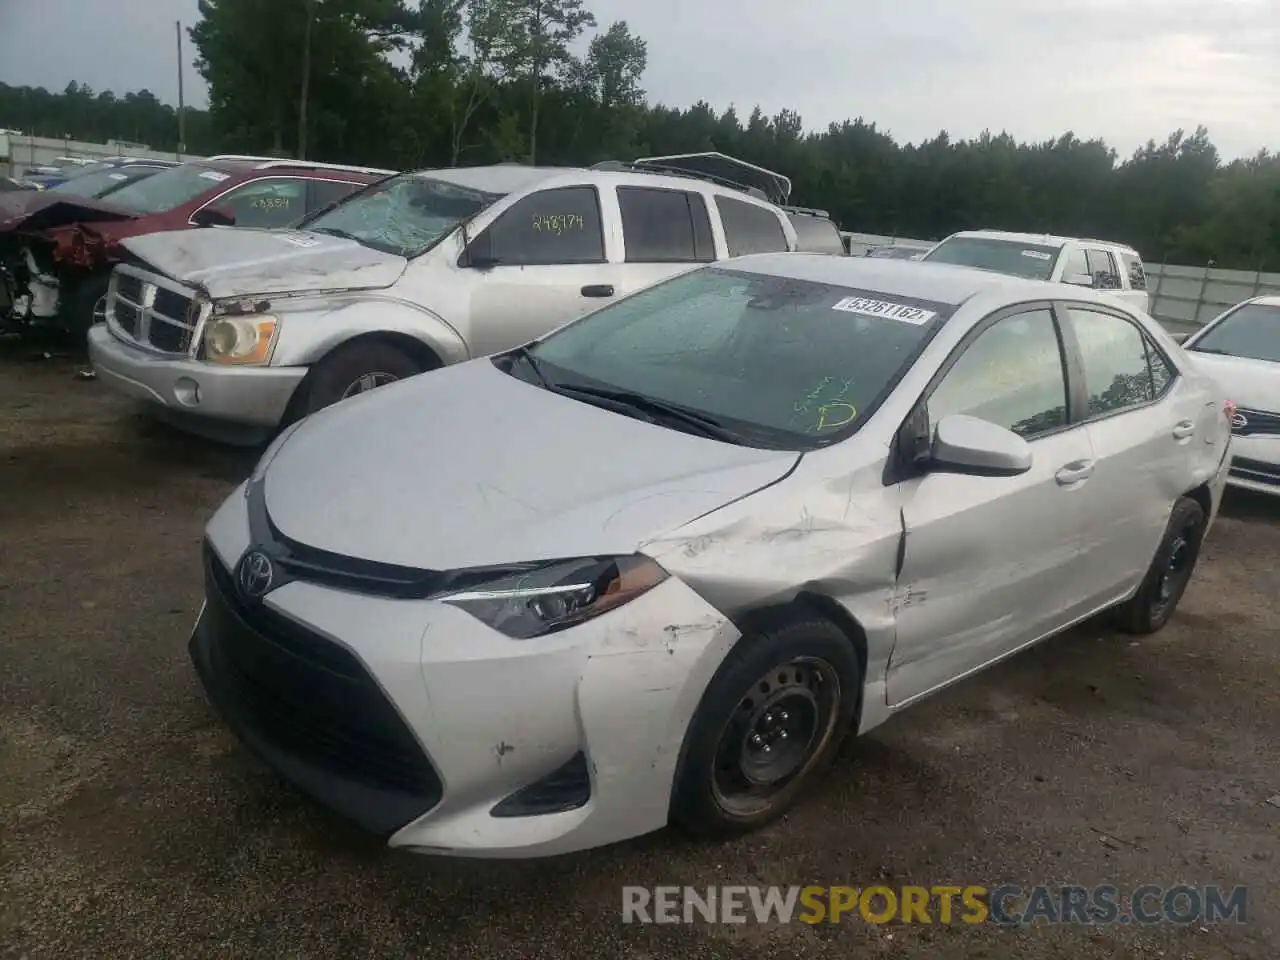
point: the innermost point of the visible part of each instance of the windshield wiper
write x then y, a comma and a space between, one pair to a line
336, 232
534, 364
656, 410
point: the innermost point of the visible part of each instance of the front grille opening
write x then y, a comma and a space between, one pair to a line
568, 787
1259, 471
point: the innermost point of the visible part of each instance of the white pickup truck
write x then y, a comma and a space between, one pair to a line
1099, 264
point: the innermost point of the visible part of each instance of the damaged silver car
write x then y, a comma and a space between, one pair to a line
654, 565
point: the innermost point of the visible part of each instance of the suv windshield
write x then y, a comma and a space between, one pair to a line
405, 215
168, 188
1030, 260
99, 182
1251, 331
770, 361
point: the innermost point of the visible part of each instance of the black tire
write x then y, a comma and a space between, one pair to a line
1170, 572
339, 374
721, 789
86, 306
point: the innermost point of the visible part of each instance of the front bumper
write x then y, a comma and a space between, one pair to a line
1255, 464
252, 396
415, 719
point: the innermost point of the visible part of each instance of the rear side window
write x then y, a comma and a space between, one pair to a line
1102, 267
665, 226
816, 235
1134, 268
749, 228
1117, 371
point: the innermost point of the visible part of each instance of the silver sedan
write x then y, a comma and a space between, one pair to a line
655, 565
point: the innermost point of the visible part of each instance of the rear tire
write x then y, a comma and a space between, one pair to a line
354, 369
773, 716
1162, 588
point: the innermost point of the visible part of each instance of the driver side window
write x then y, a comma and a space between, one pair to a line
1011, 375
276, 202
556, 226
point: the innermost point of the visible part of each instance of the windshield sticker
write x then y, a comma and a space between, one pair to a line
880, 308
215, 176
558, 223
299, 239
1036, 255
116, 176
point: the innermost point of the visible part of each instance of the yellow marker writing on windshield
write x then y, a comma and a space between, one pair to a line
839, 414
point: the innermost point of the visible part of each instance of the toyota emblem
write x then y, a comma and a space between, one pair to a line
1239, 421
256, 574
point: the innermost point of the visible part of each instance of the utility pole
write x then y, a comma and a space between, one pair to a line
306, 81
182, 120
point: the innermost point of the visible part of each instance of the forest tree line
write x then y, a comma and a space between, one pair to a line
422, 83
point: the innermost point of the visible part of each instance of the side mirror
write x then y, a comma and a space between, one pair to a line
214, 217
478, 254
1078, 279
964, 444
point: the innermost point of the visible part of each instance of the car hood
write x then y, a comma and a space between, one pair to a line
1253, 384
467, 466
35, 210
244, 261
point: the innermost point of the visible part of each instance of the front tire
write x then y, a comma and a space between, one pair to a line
1170, 572
773, 715
357, 368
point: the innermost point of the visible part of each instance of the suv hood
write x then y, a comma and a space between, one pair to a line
467, 466
246, 261
35, 210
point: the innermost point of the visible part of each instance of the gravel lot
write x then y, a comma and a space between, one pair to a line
132, 825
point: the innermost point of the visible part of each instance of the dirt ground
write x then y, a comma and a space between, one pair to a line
133, 825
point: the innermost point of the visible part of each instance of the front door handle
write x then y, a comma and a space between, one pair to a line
1184, 429
598, 290
1074, 472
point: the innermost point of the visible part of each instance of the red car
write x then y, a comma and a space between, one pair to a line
57, 251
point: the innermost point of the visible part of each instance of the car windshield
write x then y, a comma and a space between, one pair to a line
771, 361
1251, 331
168, 188
1031, 260
404, 215
98, 183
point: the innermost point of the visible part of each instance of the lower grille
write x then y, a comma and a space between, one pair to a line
309, 698
1259, 471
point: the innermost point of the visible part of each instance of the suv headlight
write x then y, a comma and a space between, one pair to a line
559, 595
240, 340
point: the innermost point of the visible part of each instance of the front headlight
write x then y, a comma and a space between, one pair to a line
559, 595
240, 340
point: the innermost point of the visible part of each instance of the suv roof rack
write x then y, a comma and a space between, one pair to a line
712, 167
808, 211
267, 163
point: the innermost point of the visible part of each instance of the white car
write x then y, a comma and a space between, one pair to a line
1104, 265
1241, 349
657, 563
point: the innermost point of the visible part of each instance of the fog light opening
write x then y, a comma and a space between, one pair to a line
566, 788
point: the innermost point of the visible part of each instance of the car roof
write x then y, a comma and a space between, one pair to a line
1267, 301
1042, 239
940, 283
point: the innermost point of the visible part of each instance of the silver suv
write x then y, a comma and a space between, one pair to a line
234, 332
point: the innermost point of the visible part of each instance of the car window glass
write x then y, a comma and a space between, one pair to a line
265, 203
549, 227
325, 192
816, 234
749, 228
170, 188
1251, 330
1162, 371
1137, 273
1076, 265
1102, 267
1031, 260
1011, 375
665, 226
1113, 352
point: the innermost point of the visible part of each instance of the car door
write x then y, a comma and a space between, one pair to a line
546, 262
992, 563
1144, 424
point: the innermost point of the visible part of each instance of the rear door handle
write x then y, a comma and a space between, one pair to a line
1074, 472
598, 290
1183, 429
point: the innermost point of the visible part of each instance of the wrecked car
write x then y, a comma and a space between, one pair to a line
654, 565
234, 334
61, 248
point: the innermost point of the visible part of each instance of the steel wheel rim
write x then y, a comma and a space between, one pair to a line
1176, 572
368, 381
778, 727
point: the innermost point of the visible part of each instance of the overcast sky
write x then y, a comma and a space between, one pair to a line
1125, 70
